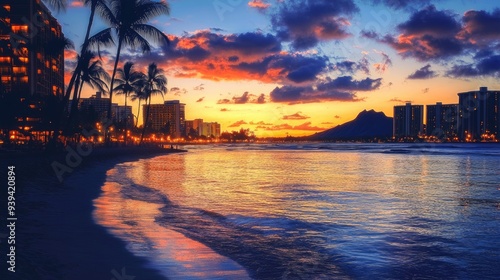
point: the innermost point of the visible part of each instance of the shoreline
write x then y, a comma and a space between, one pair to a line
56, 235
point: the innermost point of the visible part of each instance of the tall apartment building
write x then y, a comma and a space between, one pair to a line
122, 114
96, 104
442, 120
479, 114
408, 120
210, 129
176, 118
158, 116
31, 61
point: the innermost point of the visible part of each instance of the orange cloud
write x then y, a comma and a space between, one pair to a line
259, 4
77, 4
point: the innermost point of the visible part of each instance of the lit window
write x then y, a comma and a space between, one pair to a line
4, 59
6, 79
20, 28
7, 7
39, 71
20, 70
39, 56
24, 59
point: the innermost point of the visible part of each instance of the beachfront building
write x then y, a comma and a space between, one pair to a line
479, 115
31, 66
210, 129
157, 116
122, 114
442, 121
176, 118
96, 106
408, 121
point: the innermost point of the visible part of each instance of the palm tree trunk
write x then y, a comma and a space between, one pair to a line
120, 41
59, 121
74, 104
146, 121
138, 112
126, 119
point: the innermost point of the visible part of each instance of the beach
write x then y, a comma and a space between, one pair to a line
56, 236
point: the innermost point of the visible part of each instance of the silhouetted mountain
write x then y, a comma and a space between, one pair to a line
367, 125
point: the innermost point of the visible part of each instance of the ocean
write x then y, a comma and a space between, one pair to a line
311, 211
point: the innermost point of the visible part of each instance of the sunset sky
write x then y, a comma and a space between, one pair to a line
301, 66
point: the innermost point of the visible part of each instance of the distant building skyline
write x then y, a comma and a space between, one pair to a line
479, 114
442, 120
408, 120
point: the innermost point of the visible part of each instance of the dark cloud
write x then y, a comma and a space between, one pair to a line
481, 27
426, 90
199, 87
305, 22
489, 66
384, 64
430, 21
238, 123
338, 89
429, 34
245, 98
201, 99
351, 67
296, 95
233, 58
224, 110
294, 67
423, 73
403, 4
177, 91
337, 117
296, 116
347, 83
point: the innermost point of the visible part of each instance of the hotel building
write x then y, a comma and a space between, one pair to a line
442, 120
31, 61
176, 116
479, 114
157, 116
408, 120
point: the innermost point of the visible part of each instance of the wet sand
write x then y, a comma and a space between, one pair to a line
56, 236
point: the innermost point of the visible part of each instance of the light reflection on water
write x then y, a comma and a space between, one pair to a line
309, 213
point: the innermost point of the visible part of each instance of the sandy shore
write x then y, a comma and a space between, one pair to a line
56, 236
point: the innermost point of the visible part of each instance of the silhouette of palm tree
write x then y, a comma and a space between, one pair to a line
91, 73
129, 82
156, 83
129, 23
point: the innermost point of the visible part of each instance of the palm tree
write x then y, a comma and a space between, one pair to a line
138, 95
129, 22
92, 73
129, 81
101, 7
156, 83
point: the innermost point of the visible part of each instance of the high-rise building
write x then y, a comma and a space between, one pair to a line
175, 118
96, 104
31, 62
408, 120
479, 114
210, 129
122, 114
158, 117
442, 120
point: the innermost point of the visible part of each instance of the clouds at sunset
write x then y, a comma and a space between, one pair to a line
306, 23
423, 73
245, 98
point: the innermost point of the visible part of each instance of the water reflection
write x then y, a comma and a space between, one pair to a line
132, 218
308, 213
